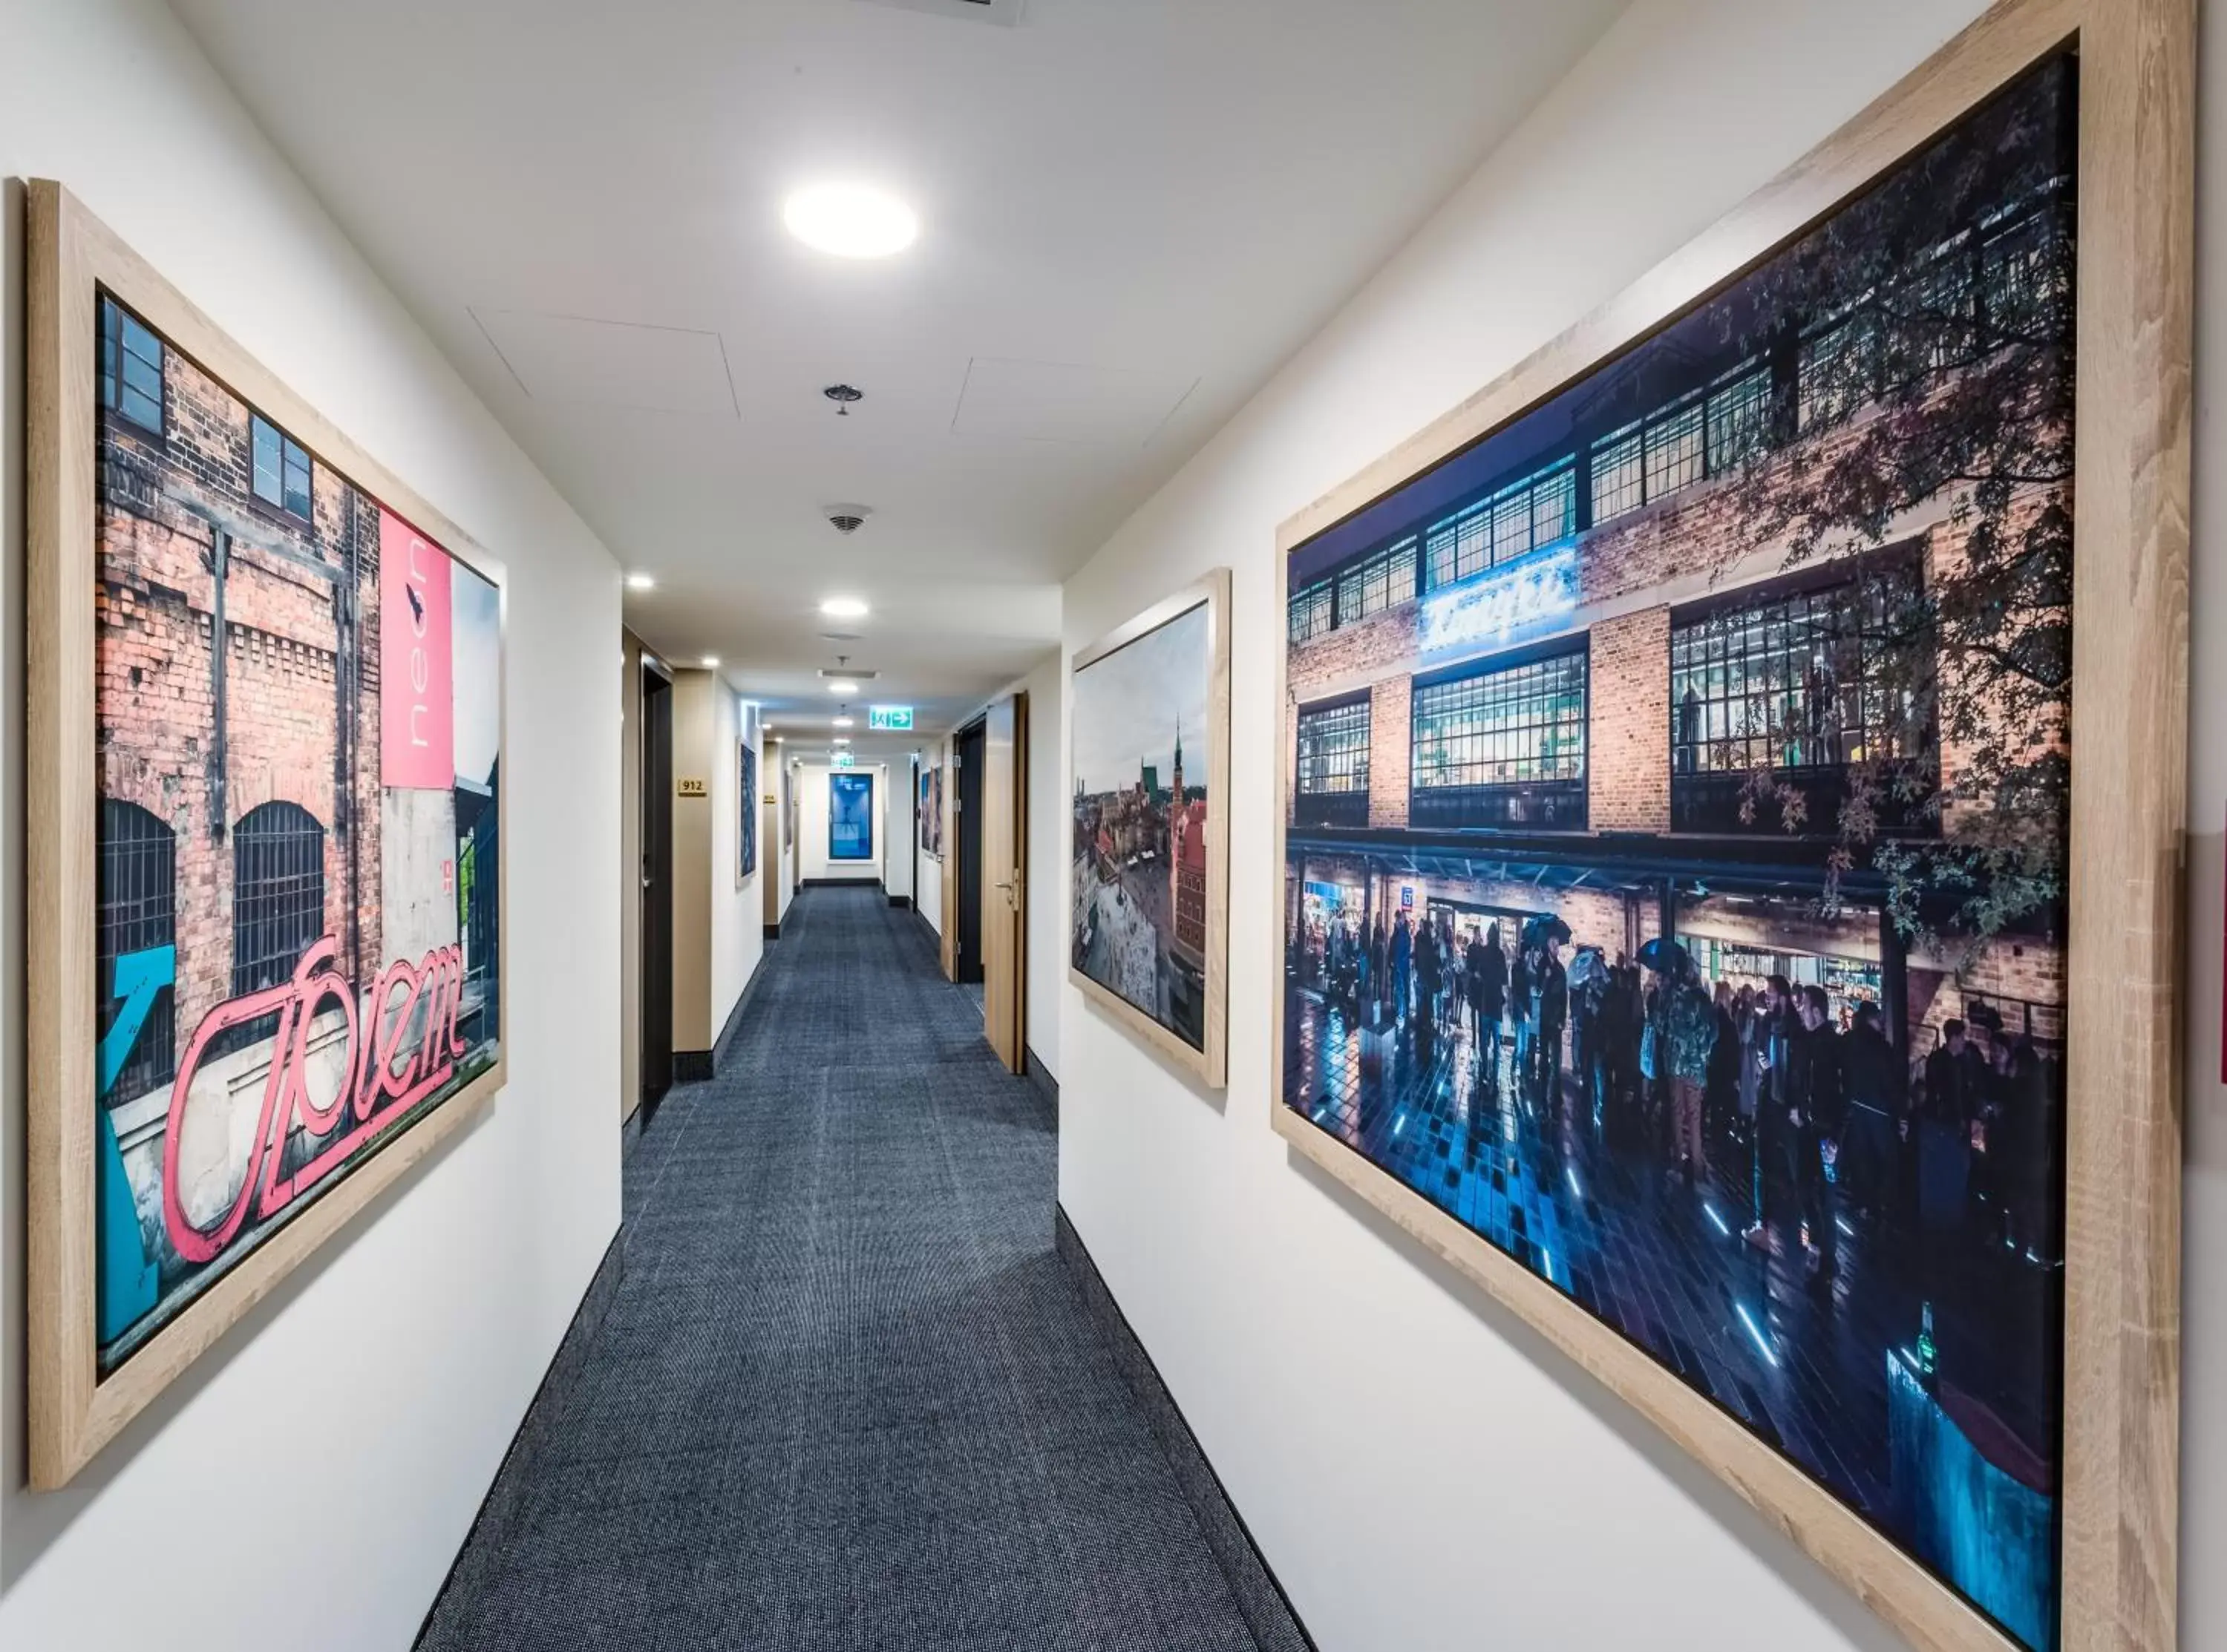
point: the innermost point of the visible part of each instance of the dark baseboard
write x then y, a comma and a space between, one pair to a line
724, 1045
773, 931
540, 1422
1260, 1599
900, 900
694, 1066
1040, 1076
840, 882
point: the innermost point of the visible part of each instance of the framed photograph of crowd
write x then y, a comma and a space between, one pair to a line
1731, 771
265, 699
746, 811
931, 810
1149, 741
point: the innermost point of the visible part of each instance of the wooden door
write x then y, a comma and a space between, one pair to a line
1005, 880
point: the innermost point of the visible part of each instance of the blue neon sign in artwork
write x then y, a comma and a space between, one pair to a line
1521, 599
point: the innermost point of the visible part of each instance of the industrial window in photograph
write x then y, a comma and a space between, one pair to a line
1332, 775
281, 468
278, 893
1503, 748
135, 929
1814, 683
1529, 513
1385, 580
1313, 610
1707, 432
130, 368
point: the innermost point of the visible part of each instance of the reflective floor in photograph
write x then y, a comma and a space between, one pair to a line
1597, 1207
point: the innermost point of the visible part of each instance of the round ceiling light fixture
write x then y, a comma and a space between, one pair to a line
640, 582
842, 685
845, 722
852, 221
710, 662
844, 608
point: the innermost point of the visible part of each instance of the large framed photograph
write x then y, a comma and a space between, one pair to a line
930, 824
746, 814
849, 816
1149, 741
1730, 773
265, 871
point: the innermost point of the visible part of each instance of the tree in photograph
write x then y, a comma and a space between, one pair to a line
1929, 333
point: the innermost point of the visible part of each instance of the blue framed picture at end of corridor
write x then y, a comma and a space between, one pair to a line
850, 817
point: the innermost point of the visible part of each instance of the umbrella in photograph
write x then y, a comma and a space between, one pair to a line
1545, 926
1588, 967
1663, 956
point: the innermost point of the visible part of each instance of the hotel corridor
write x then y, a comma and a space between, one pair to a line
844, 1394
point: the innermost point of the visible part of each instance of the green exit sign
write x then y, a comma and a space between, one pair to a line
889, 717
842, 760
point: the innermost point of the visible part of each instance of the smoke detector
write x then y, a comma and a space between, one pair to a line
1007, 12
847, 518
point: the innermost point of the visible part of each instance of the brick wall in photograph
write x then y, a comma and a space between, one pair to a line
291, 586
1628, 758
1390, 737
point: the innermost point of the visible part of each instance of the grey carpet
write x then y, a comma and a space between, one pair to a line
845, 1395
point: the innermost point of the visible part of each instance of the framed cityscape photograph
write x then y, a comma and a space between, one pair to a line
1730, 775
265, 699
1148, 935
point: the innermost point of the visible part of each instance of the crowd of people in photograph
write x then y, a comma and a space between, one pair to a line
1771, 1090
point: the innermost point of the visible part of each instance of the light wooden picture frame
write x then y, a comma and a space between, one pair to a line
1133, 823
2117, 1038
166, 785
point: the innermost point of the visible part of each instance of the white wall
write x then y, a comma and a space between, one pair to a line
1421, 1470
379, 1388
737, 903
812, 822
1050, 831
896, 846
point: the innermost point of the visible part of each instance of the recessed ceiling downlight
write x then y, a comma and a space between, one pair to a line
844, 608
852, 221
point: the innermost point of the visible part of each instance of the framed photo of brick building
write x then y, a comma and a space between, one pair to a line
1148, 742
1730, 775
264, 848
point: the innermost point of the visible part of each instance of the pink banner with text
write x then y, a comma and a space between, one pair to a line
417, 698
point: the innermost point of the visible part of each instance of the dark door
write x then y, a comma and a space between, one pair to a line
968, 751
656, 882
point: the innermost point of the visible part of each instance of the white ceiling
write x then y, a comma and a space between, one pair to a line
1131, 210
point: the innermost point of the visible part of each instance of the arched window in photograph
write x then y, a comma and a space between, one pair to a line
278, 893
137, 914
